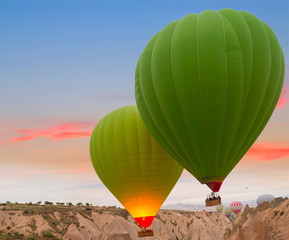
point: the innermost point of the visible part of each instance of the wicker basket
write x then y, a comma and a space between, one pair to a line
145, 233
214, 202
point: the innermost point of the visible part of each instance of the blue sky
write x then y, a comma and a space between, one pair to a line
65, 64
59, 56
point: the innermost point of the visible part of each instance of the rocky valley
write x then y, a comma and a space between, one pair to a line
35, 221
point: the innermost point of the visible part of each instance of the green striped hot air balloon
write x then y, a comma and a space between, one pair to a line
220, 207
227, 211
132, 164
206, 86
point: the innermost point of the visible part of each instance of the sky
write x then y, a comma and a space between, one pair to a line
66, 64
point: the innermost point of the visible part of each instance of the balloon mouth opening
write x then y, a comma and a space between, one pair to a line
214, 186
144, 221
237, 212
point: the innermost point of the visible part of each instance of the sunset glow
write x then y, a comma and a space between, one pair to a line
283, 100
268, 151
60, 132
66, 64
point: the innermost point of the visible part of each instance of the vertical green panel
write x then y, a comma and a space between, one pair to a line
239, 55
213, 81
186, 86
163, 85
259, 81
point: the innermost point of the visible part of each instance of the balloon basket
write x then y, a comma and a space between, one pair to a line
145, 233
213, 200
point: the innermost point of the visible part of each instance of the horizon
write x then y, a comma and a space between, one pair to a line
194, 207
65, 65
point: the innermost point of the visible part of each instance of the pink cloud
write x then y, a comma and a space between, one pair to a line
57, 132
283, 99
75, 134
21, 139
61, 127
268, 151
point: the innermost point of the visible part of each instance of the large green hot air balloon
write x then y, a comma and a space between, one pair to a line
132, 164
206, 86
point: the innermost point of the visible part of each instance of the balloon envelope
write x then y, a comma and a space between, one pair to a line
264, 198
220, 207
227, 211
232, 217
206, 86
236, 207
132, 164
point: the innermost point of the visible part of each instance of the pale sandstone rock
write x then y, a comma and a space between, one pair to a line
129, 227
41, 224
102, 219
160, 230
73, 233
22, 224
57, 215
258, 223
89, 226
267, 221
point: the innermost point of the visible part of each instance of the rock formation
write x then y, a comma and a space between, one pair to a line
21, 221
269, 220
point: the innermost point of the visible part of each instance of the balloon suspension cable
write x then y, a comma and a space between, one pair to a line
144, 232
213, 199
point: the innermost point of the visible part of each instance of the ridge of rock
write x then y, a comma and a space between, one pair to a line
21, 221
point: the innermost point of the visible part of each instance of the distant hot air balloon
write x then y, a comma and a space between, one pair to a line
236, 207
206, 86
220, 207
132, 164
264, 198
227, 211
232, 217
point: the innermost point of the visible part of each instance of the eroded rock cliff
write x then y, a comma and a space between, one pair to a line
20, 221
91, 223
268, 221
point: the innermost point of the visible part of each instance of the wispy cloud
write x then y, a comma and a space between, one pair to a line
58, 171
75, 134
268, 151
283, 100
25, 138
90, 186
57, 132
17, 174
